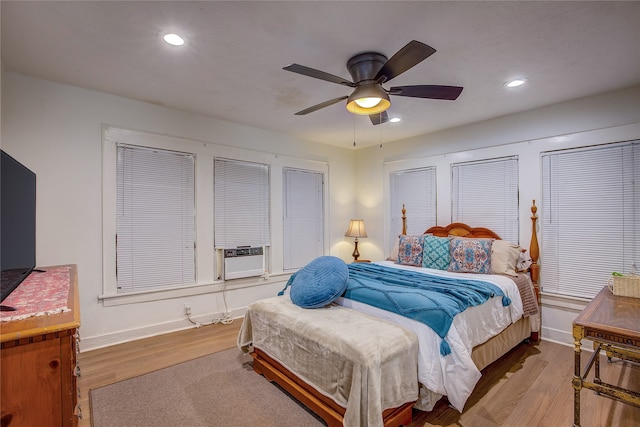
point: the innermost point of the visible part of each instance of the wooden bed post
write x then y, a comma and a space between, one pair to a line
404, 220
534, 269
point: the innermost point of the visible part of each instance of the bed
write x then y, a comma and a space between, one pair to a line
287, 343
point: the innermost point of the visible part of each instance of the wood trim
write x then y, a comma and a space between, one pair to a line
326, 408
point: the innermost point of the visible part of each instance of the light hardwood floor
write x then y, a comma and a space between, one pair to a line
531, 386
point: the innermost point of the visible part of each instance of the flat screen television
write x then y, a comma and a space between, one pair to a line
17, 223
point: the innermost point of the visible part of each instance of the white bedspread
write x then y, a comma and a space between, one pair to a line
454, 375
364, 364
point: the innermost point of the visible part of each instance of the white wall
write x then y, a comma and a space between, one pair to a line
609, 117
56, 131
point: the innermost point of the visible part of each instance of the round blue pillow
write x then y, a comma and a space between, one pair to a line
320, 282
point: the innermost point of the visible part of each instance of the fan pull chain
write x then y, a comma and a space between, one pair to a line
354, 130
380, 130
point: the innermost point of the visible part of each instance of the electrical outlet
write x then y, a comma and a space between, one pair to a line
187, 309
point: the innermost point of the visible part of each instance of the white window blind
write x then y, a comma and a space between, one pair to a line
590, 217
416, 189
303, 217
485, 193
155, 218
241, 197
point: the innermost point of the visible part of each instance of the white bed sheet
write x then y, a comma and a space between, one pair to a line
454, 375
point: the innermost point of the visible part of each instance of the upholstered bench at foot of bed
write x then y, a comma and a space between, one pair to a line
324, 407
350, 368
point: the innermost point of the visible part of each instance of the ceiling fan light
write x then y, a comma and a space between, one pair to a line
368, 102
367, 99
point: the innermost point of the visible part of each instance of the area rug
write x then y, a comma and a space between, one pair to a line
220, 389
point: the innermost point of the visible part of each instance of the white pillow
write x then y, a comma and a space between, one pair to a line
393, 256
504, 257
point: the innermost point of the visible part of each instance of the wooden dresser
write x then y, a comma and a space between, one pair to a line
612, 323
38, 364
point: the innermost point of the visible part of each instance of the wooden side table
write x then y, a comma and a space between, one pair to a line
613, 324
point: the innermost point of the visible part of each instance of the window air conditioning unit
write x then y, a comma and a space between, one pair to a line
243, 262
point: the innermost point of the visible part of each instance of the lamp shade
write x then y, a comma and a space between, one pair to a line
368, 98
356, 229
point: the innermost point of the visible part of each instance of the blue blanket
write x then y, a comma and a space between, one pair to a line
427, 298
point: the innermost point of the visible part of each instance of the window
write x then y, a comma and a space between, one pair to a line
303, 214
486, 192
590, 217
241, 200
225, 201
155, 242
416, 189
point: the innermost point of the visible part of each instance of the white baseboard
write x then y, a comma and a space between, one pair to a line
120, 337
557, 336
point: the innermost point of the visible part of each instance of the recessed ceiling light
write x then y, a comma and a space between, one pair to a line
173, 39
394, 119
515, 82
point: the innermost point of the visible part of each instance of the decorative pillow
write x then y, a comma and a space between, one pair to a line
470, 255
436, 252
524, 262
504, 257
393, 256
410, 250
319, 283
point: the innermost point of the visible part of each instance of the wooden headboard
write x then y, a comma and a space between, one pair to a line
461, 230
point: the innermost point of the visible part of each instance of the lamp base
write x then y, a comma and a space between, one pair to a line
355, 253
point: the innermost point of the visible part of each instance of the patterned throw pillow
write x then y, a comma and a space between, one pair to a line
410, 250
436, 253
470, 255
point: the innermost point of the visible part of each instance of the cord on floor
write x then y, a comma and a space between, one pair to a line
225, 320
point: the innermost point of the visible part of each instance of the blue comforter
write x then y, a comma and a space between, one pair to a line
427, 298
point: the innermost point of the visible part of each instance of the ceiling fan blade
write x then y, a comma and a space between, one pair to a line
319, 106
409, 56
427, 91
312, 72
379, 118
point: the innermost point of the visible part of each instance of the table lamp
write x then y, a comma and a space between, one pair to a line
356, 229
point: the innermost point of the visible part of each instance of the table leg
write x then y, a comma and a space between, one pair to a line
577, 378
596, 378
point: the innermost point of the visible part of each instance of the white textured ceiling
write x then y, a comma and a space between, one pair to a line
231, 65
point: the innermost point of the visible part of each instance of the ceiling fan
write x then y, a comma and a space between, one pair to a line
369, 71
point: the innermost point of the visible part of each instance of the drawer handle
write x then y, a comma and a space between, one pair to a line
78, 411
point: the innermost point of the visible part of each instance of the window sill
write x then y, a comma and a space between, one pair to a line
576, 304
110, 300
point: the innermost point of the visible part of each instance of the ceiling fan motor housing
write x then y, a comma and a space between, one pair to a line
365, 66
